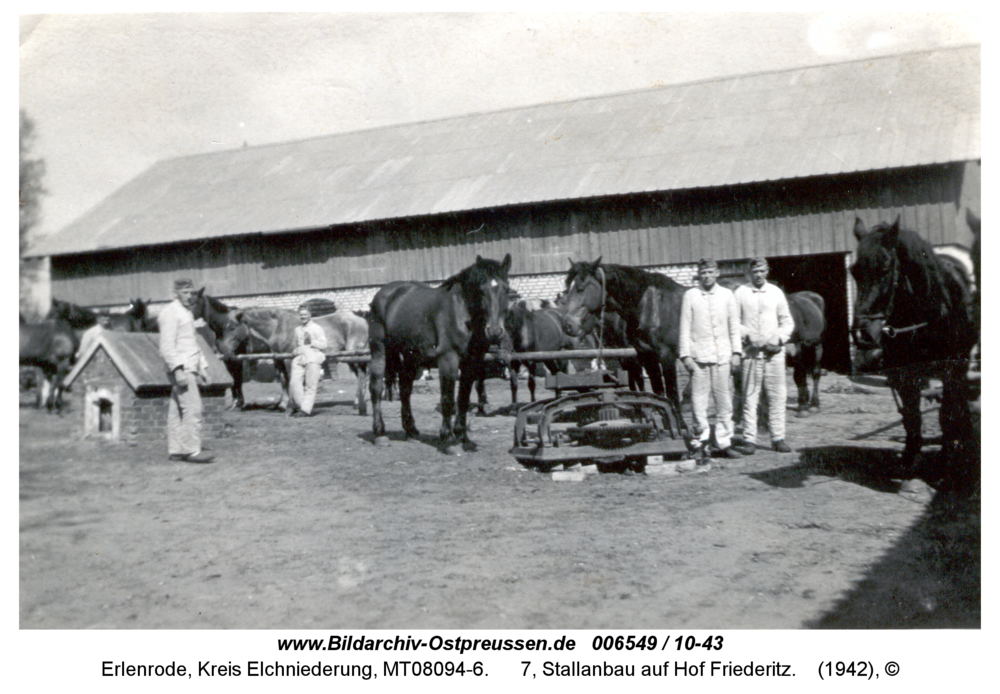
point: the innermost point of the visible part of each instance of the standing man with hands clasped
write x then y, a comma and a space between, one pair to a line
710, 347
307, 365
187, 368
767, 325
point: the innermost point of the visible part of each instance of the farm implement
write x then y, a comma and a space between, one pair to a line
601, 422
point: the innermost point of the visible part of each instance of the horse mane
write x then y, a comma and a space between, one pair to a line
216, 304
623, 280
919, 263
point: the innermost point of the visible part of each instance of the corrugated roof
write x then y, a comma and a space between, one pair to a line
905, 110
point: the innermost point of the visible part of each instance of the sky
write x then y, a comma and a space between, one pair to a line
112, 94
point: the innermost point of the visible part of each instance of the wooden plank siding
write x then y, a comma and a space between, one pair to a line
782, 218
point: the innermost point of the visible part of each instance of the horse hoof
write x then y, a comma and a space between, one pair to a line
381, 441
454, 449
802, 413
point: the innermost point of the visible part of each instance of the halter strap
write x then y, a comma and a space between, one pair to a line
888, 330
892, 332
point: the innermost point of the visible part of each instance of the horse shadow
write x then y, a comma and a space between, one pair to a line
930, 578
878, 469
272, 406
431, 440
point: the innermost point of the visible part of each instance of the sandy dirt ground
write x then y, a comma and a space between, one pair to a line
303, 523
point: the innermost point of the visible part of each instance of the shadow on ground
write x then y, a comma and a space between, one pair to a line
931, 578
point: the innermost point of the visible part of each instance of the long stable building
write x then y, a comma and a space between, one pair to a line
776, 164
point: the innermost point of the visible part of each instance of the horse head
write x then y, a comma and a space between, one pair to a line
137, 309
874, 272
584, 297
486, 291
147, 321
234, 336
496, 296
215, 313
77, 317
902, 292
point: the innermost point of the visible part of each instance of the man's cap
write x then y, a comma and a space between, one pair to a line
183, 284
706, 263
757, 262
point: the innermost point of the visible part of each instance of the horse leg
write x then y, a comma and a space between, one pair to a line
657, 374
669, 369
44, 389
481, 395
405, 377
957, 437
65, 366
636, 381
447, 372
512, 373
461, 432
908, 387
817, 372
376, 383
800, 373
235, 369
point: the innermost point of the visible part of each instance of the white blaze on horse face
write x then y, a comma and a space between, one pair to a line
496, 296
580, 317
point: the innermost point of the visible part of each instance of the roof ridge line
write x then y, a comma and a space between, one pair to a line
639, 90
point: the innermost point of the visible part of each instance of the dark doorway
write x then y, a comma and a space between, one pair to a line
825, 274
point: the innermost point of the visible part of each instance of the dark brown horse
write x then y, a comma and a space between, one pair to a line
805, 348
216, 316
649, 305
86, 324
914, 319
264, 330
412, 326
535, 330
51, 347
135, 320
77, 317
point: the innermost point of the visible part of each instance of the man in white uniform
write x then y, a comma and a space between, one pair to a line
186, 368
766, 325
710, 348
307, 365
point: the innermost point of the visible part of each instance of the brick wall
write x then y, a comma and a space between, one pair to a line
528, 286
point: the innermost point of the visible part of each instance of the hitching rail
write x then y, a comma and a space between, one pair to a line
364, 356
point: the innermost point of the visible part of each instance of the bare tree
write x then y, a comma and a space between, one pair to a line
31, 189
29, 203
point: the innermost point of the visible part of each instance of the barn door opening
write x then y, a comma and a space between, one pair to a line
825, 274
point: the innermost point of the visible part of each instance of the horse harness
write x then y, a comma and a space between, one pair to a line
887, 330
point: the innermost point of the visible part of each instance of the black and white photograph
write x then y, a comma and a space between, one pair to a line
520, 324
